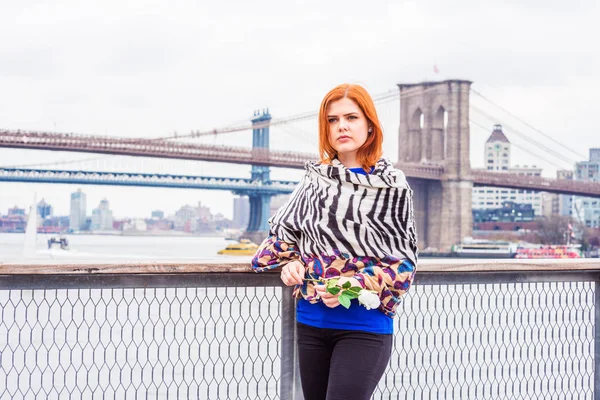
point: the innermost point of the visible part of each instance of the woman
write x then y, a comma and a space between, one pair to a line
351, 217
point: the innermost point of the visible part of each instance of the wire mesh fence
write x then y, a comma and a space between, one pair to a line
231, 336
494, 341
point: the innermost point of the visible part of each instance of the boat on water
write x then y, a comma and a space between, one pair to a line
62, 242
474, 248
550, 251
244, 248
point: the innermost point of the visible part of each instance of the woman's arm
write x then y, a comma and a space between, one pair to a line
274, 252
390, 278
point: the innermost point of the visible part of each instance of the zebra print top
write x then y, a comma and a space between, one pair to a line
340, 223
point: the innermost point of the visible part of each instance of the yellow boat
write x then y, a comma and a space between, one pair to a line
244, 248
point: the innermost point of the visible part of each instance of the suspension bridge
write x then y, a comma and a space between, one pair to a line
435, 122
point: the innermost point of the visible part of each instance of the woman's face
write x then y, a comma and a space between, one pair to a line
348, 127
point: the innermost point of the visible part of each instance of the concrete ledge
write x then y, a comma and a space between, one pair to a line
56, 267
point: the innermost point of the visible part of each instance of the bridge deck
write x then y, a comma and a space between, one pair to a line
161, 148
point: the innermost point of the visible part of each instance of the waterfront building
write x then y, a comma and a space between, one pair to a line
497, 159
585, 209
77, 215
102, 218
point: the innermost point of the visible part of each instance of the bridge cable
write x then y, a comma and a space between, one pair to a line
525, 137
517, 146
386, 97
527, 124
381, 98
56, 162
297, 132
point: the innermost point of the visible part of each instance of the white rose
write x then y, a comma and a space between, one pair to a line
368, 299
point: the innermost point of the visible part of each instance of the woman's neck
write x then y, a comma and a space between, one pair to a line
349, 160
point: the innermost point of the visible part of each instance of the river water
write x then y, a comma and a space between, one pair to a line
109, 248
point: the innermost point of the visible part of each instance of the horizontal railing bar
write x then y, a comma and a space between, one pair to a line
97, 281
454, 278
450, 265
237, 279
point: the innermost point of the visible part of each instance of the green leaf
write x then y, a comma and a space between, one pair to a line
344, 300
347, 285
356, 289
350, 294
332, 282
334, 290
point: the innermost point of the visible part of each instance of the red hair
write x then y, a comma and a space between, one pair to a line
372, 150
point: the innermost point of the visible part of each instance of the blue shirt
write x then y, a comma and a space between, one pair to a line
355, 318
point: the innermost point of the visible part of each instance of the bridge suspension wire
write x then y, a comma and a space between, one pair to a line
527, 124
298, 133
380, 98
50, 163
548, 150
517, 146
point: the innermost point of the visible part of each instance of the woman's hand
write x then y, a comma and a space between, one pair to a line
331, 300
292, 273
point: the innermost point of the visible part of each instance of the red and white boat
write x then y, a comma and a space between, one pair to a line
549, 251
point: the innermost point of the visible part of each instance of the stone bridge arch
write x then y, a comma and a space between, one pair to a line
442, 208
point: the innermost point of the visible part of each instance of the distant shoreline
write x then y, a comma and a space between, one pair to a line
131, 234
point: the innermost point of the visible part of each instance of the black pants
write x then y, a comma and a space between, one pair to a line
341, 364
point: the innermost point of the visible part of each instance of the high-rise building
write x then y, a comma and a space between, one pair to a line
527, 196
586, 209
550, 204
241, 212
44, 209
102, 218
564, 201
78, 211
186, 218
497, 151
497, 159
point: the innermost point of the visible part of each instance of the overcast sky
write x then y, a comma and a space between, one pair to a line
151, 68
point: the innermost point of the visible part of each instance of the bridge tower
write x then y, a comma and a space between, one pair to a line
259, 203
434, 128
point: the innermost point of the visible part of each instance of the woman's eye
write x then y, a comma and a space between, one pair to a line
352, 117
332, 120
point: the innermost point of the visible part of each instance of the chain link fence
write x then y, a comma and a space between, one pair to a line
231, 336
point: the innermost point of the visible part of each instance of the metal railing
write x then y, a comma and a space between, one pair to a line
464, 331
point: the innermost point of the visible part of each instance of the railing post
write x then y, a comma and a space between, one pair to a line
597, 340
289, 387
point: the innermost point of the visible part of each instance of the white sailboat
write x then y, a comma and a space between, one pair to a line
31, 231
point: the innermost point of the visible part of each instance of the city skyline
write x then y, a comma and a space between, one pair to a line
191, 219
104, 202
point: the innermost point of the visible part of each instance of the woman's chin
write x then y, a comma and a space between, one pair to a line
345, 150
